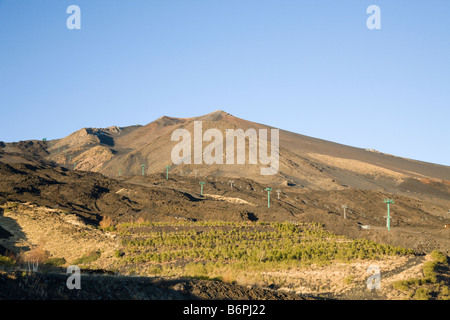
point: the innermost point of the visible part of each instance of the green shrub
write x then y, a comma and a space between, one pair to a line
195, 269
444, 293
6, 262
348, 280
422, 294
88, 258
119, 253
429, 268
256, 247
439, 257
155, 270
407, 285
109, 229
55, 262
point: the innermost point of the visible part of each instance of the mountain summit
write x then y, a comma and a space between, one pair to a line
304, 162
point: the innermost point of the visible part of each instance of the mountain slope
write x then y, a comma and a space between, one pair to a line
305, 162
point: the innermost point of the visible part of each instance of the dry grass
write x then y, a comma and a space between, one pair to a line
63, 235
37, 254
230, 199
106, 222
93, 159
141, 220
357, 166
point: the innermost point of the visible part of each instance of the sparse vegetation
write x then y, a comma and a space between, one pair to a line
36, 255
7, 262
429, 273
196, 269
276, 242
107, 224
444, 292
422, 294
55, 262
228, 251
87, 258
428, 287
439, 257
118, 253
348, 280
155, 271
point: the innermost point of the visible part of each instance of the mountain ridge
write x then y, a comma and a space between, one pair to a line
305, 162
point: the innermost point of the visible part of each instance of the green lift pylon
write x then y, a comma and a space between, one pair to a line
268, 196
167, 172
201, 184
388, 222
120, 173
143, 169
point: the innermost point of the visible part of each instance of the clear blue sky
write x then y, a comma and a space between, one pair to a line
311, 67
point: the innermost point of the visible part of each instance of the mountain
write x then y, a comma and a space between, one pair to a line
304, 162
314, 180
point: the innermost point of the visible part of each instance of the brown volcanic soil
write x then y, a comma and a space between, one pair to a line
86, 193
310, 163
416, 224
92, 196
39, 286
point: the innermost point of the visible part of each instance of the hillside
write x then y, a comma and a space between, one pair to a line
305, 162
308, 162
89, 188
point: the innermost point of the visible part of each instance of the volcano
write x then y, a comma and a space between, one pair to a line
304, 162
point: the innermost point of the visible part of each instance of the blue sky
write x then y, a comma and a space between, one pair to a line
311, 67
